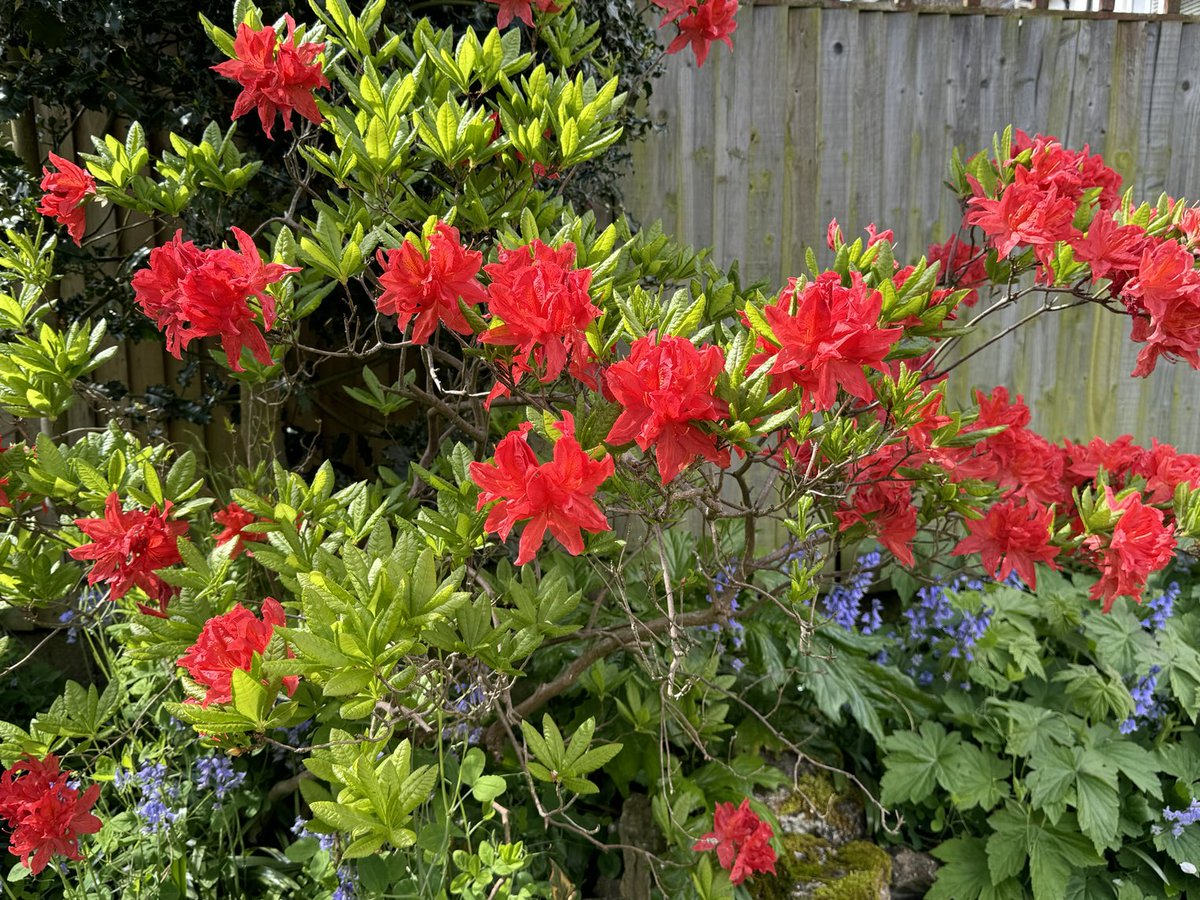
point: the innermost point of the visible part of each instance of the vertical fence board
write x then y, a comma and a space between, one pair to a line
801, 178
852, 113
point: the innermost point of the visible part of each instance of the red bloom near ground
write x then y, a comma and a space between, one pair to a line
666, 388
66, 191
700, 24
229, 642
1011, 537
540, 307
129, 547
45, 813
1140, 544
521, 9
558, 495
828, 339
426, 290
277, 76
192, 293
234, 518
742, 841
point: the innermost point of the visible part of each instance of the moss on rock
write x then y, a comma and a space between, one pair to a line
810, 866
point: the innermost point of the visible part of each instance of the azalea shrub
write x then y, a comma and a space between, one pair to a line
609, 583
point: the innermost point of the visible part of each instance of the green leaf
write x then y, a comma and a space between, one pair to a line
249, 696
916, 763
976, 777
487, 788
964, 872
1008, 847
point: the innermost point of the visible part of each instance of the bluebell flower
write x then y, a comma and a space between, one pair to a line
843, 603
300, 830
345, 888
155, 809
1145, 707
215, 772
1181, 818
1161, 607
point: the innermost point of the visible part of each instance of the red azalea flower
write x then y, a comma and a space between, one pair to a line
1139, 545
1011, 537
674, 9
1112, 251
234, 518
832, 334
708, 21
1189, 226
66, 191
1164, 469
45, 813
426, 290
521, 9
192, 293
666, 387
540, 306
1118, 458
229, 642
129, 547
275, 75
1025, 214
742, 841
559, 495
882, 499
1164, 298
1016, 459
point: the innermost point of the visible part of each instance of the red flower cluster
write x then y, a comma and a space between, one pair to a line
229, 642
1026, 214
701, 23
1038, 479
832, 333
521, 9
1140, 544
129, 547
742, 841
66, 191
1164, 298
540, 306
883, 500
276, 75
1011, 537
666, 388
45, 813
234, 519
192, 293
426, 290
1016, 459
1155, 276
558, 495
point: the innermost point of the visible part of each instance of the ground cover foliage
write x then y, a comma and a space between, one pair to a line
661, 529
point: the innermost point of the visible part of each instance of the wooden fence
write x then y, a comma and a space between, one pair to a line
851, 111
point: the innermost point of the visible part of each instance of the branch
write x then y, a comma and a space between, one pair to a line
551, 689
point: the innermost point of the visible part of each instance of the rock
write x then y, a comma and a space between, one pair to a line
814, 806
824, 856
912, 873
